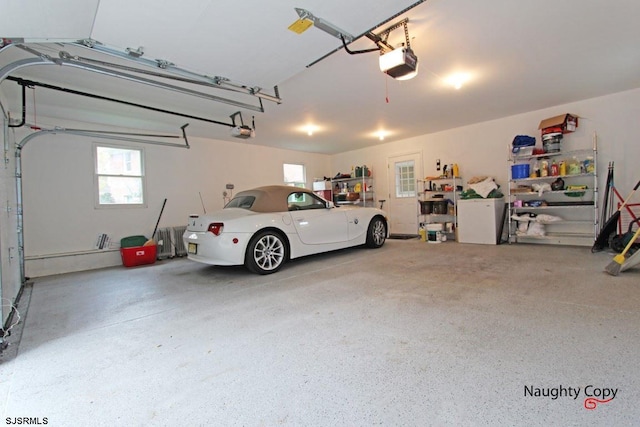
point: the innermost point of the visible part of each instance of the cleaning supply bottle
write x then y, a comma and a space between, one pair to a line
544, 168
535, 173
563, 167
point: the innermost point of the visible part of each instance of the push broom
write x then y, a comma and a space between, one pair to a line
614, 266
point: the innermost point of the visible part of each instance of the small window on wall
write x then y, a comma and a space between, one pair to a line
295, 175
119, 176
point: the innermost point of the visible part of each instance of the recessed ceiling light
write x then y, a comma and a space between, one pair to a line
310, 129
381, 134
457, 80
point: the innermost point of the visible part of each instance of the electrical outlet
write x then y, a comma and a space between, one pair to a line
438, 164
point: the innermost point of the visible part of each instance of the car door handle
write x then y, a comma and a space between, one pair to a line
302, 222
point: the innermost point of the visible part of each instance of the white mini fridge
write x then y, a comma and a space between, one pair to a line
480, 220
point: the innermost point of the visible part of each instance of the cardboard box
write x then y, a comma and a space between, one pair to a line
568, 122
321, 185
138, 255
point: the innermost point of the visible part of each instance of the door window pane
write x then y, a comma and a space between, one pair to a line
405, 179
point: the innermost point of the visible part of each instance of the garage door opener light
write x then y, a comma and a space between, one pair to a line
241, 131
400, 63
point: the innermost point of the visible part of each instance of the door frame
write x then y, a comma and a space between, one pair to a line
418, 171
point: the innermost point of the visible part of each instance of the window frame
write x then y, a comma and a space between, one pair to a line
96, 178
301, 184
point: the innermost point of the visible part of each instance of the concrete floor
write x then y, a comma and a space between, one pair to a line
411, 334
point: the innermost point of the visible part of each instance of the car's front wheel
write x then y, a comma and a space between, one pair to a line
266, 253
377, 233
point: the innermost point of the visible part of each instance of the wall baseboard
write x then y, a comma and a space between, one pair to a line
50, 264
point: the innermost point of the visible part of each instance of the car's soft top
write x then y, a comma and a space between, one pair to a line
271, 198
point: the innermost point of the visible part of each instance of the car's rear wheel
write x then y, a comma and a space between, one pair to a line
266, 253
376, 233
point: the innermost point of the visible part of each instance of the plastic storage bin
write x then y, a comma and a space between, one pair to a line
520, 171
138, 255
132, 241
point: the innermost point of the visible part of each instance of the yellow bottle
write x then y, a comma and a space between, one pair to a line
456, 171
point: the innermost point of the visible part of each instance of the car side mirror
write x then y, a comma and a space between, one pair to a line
330, 205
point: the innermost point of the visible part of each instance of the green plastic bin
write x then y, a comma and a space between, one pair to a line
132, 241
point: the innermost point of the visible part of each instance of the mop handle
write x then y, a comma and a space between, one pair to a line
624, 202
160, 216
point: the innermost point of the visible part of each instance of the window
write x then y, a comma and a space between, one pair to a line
303, 201
405, 179
119, 176
294, 175
244, 202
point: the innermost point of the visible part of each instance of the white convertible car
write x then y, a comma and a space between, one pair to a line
264, 227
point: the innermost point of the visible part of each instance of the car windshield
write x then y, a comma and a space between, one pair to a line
244, 202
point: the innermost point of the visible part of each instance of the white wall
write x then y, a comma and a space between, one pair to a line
482, 149
58, 188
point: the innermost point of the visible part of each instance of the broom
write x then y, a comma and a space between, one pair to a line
614, 266
151, 241
607, 195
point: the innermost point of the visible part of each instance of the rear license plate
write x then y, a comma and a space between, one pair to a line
193, 248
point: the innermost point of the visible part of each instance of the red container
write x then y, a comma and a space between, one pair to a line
138, 255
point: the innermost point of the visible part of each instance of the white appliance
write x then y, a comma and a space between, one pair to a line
479, 220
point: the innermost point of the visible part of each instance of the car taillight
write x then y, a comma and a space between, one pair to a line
215, 228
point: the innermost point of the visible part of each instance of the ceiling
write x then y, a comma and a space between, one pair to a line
518, 57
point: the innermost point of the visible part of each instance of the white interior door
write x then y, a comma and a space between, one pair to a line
403, 173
